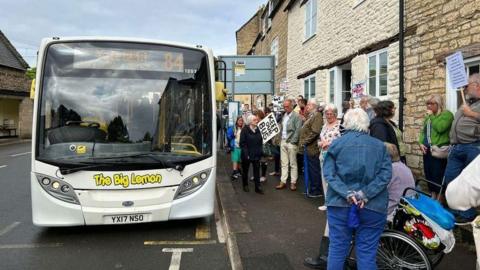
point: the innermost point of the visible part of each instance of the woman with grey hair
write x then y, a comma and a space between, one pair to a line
435, 133
330, 131
251, 152
358, 169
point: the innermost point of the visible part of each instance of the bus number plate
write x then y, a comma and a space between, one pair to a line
121, 219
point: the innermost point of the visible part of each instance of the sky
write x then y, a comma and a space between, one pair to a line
210, 23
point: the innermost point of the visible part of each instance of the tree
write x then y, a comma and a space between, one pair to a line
31, 73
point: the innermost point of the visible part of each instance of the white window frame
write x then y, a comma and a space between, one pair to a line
377, 71
308, 80
310, 24
451, 94
331, 88
274, 49
264, 26
270, 9
337, 86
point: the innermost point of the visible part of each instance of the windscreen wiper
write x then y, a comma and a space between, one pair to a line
68, 170
165, 163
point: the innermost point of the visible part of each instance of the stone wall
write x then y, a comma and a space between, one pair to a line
25, 111
14, 79
343, 28
442, 27
247, 34
278, 30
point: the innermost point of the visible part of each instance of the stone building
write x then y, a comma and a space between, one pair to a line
335, 46
441, 28
266, 34
16, 107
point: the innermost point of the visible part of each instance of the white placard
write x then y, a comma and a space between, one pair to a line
239, 68
268, 127
232, 112
456, 70
284, 86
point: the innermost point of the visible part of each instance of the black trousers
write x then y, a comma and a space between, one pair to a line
256, 171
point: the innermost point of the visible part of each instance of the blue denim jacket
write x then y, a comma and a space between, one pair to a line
358, 162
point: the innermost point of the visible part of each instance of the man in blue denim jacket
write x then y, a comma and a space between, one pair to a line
357, 168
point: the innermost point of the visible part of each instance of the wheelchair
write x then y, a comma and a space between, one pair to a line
400, 248
409, 242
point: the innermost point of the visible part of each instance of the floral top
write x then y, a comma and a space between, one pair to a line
330, 134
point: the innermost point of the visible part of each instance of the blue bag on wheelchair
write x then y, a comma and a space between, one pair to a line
432, 209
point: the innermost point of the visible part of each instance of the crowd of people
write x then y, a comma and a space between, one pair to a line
358, 160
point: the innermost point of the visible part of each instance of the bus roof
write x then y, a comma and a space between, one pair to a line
46, 41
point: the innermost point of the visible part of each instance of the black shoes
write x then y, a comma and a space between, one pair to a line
320, 262
315, 263
236, 175
259, 190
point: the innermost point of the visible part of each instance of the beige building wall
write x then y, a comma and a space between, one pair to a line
343, 30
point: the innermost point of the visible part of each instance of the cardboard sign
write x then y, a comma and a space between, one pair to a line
456, 70
268, 127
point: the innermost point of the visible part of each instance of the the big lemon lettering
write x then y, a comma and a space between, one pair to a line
121, 180
101, 180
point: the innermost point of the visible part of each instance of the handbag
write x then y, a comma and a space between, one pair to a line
440, 152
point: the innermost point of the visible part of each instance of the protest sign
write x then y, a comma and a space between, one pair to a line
268, 127
456, 70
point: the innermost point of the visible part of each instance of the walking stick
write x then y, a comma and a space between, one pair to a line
305, 171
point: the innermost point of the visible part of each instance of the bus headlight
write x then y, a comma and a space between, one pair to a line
192, 184
58, 189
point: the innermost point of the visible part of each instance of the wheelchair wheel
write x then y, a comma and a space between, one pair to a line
398, 251
435, 257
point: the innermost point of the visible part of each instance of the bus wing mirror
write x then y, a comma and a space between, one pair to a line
220, 91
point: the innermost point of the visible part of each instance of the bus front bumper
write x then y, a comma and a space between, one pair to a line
101, 207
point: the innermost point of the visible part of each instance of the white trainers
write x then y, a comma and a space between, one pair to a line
322, 208
263, 179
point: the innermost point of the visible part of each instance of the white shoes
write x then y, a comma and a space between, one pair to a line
262, 179
322, 208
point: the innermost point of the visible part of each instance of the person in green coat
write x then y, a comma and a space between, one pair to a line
439, 121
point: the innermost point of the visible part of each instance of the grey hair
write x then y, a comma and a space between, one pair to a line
474, 78
313, 102
365, 98
373, 101
291, 100
250, 118
332, 107
439, 100
356, 119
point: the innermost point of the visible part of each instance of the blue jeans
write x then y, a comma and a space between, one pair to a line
314, 175
459, 157
367, 236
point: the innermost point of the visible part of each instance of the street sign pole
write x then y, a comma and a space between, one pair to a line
233, 80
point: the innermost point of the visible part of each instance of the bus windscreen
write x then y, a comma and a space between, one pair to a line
130, 103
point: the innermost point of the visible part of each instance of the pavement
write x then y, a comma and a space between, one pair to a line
279, 229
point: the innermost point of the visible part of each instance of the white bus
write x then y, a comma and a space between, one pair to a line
123, 132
